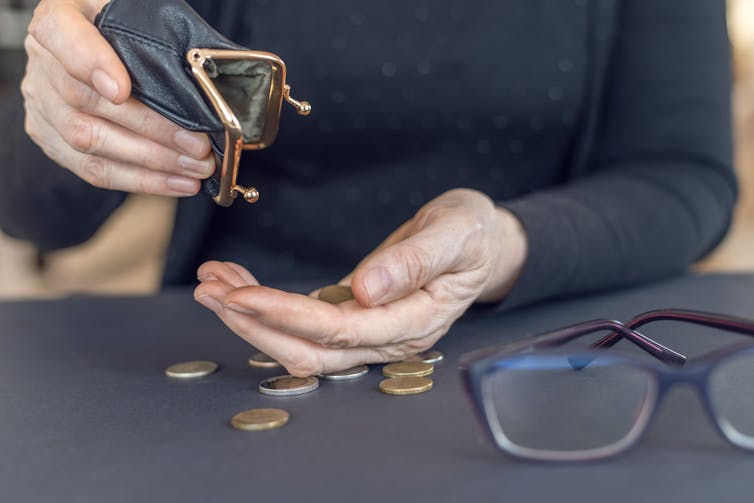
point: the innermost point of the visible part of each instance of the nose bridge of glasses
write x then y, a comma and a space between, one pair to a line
691, 376
683, 410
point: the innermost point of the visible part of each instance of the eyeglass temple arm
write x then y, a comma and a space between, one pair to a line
730, 323
652, 347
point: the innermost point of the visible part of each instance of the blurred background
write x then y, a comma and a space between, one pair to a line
127, 254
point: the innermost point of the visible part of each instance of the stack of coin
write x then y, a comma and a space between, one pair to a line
287, 385
401, 369
407, 378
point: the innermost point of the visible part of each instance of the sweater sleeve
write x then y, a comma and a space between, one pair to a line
659, 188
41, 202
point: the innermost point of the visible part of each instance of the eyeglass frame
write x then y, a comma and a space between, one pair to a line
474, 366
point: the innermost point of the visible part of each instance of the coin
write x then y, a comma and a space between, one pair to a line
407, 385
401, 369
344, 375
190, 370
433, 356
288, 385
262, 360
335, 294
260, 419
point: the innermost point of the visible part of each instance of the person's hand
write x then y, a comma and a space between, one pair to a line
79, 110
459, 249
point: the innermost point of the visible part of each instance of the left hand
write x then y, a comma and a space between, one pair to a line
458, 249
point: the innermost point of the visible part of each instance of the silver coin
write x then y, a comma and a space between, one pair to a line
288, 385
432, 356
345, 375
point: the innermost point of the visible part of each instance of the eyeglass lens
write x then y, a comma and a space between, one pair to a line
541, 406
731, 392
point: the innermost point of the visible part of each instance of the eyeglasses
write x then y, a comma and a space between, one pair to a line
246, 89
540, 401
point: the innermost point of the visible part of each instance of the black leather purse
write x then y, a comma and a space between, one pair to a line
183, 69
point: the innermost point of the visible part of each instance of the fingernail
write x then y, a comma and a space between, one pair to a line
199, 168
241, 309
182, 186
206, 277
104, 85
377, 282
191, 144
209, 302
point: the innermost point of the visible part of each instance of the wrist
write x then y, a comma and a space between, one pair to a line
512, 249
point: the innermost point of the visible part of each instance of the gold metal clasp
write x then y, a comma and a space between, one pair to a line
246, 89
302, 107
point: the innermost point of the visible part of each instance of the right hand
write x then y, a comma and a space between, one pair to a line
79, 110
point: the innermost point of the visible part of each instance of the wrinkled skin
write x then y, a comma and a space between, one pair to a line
457, 250
79, 110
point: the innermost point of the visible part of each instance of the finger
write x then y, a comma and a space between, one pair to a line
345, 325
69, 108
394, 237
105, 173
134, 116
227, 272
300, 357
64, 30
91, 135
406, 266
246, 276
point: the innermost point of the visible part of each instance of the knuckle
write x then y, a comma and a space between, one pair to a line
418, 345
81, 133
30, 45
39, 18
392, 353
430, 213
147, 185
42, 18
340, 337
443, 294
96, 171
27, 89
78, 95
415, 261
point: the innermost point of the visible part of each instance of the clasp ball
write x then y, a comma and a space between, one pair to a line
251, 195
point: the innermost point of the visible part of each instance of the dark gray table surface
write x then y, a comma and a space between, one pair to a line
86, 414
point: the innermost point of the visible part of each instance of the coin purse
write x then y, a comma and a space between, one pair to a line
183, 69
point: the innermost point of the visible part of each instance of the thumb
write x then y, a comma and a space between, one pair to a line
401, 269
64, 29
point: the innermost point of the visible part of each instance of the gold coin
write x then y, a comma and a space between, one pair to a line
433, 356
288, 385
401, 369
408, 385
191, 370
262, 360
260, 419
335, 294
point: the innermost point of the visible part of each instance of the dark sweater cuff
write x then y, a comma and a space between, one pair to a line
546, 271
